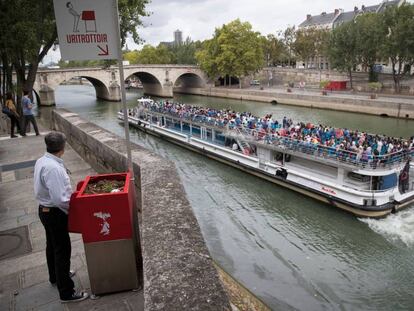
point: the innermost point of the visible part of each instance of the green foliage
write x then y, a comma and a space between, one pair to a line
185, 53
375, 86
369, 36
288, 39
311, 42
206, 57
162, 54
276, 52
130, 13
28, 31
398, 42
235, 50
131, 56
154, 55
342, 48
324, 83
372, 37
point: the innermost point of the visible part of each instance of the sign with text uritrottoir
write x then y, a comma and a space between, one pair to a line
87, 29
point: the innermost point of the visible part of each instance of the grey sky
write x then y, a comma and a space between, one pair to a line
199, 18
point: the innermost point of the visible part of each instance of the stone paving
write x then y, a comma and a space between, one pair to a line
24, 281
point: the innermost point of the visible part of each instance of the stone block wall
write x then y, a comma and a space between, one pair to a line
177, 268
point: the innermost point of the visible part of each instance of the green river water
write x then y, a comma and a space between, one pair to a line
291, 251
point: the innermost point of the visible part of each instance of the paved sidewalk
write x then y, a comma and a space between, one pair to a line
23, 272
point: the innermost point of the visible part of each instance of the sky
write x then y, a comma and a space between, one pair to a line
198, 19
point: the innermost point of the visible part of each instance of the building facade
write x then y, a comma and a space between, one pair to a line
329, 21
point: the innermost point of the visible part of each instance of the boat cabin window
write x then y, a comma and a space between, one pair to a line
384, 182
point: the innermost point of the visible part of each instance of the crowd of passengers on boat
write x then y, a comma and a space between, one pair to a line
342, 143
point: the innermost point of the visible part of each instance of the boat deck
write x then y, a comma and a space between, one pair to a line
317, 153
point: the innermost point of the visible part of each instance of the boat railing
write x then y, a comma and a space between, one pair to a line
196, 119
367, 161
283, 143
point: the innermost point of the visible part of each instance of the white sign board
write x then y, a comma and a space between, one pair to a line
87, 29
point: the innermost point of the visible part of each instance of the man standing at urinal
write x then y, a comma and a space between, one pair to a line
53, 190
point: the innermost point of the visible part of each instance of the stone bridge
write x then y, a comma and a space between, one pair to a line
157, 80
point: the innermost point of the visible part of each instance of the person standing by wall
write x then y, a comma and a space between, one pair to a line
28, 114
53, 190
14, 116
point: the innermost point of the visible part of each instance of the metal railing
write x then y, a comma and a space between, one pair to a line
283, 143
389, 160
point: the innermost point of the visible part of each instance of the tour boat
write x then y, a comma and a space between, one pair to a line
373, 188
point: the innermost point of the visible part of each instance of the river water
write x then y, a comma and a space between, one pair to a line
291, 251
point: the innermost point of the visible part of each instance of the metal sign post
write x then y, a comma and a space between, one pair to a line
89, 30
123, 92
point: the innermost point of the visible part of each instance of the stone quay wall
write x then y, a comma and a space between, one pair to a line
379, 107
178, 271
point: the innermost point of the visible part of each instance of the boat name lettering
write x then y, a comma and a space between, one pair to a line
326, 189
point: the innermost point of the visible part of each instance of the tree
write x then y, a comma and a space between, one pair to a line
185, 53
310, 43
154, 55
29, 31
207, 55
369, 36
132, 56
235, 50
342, 49
288, 38
275, 50
398, 43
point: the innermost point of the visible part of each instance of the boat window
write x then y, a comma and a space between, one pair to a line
278, 156
387, 182
209, 135
358, 177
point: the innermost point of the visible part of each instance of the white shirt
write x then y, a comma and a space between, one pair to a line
52, 186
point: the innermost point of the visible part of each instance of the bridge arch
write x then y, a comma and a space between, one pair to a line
187, 81
104, 83
151, 84
101, 90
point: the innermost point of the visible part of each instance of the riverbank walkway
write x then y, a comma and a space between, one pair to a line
24, 281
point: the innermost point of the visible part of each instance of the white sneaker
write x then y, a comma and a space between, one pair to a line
76, 297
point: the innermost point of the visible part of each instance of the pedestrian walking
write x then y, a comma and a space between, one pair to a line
28, 114
53, 190
13, 115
